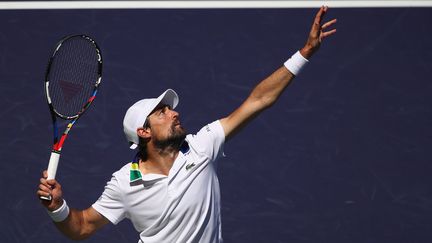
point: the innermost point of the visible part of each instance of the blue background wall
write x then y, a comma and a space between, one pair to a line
344, 156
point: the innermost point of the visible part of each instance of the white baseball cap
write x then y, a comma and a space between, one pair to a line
137, 114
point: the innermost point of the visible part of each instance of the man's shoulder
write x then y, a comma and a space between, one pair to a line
125, 168
214, 127
207, 140
122, 175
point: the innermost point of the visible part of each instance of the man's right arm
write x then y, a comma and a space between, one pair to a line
79, 224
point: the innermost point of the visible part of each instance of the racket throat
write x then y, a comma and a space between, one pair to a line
59, 144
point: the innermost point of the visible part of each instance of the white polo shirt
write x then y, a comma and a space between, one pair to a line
181, 207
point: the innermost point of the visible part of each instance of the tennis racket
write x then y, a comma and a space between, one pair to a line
72, 80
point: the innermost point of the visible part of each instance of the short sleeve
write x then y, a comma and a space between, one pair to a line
210, 139
110, 203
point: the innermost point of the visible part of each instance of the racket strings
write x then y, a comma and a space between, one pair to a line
73, 74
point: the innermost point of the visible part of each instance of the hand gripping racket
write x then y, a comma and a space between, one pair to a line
71, 82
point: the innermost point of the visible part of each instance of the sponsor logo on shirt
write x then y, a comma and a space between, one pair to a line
189, 166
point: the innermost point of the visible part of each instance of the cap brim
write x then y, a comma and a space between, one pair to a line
169, 97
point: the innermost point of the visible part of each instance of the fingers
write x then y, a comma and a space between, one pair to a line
316, 26
325, 34
45, 187
320, 15
328, 33
317, 33
50, 189
48, 183
328, 24
318, 29
43, 193
44, 181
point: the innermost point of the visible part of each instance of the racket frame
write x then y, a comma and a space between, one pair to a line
59, 141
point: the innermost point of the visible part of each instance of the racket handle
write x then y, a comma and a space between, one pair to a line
52, 165
52, 170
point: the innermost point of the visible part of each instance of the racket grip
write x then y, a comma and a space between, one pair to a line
52, 170
52, 165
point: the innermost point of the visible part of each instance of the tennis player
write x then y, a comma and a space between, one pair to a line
170, 191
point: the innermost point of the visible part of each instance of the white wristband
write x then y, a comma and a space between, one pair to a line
61, 213
296, 63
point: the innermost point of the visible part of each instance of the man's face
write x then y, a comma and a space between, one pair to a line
165, 126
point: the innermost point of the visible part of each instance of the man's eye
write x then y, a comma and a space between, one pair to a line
162, 111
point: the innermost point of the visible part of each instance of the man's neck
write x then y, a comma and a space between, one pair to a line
159, 161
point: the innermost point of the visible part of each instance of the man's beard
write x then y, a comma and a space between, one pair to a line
174, 141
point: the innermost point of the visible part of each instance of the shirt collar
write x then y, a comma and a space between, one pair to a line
136, 175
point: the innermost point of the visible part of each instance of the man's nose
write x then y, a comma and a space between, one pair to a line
174, 114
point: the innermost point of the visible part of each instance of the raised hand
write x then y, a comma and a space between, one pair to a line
318, 33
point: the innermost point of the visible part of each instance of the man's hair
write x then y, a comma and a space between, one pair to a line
142, 149
142, 145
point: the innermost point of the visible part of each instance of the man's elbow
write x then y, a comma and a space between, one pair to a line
76, 234
266, 102
81, 236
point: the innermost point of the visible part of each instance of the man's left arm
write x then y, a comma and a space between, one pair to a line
268, 91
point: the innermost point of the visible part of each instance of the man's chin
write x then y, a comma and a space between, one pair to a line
174, 141
179, 129
181, 135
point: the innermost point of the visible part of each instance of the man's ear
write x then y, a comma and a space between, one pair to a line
144, 132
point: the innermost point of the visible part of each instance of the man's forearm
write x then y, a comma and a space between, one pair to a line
268, 90
73, 226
